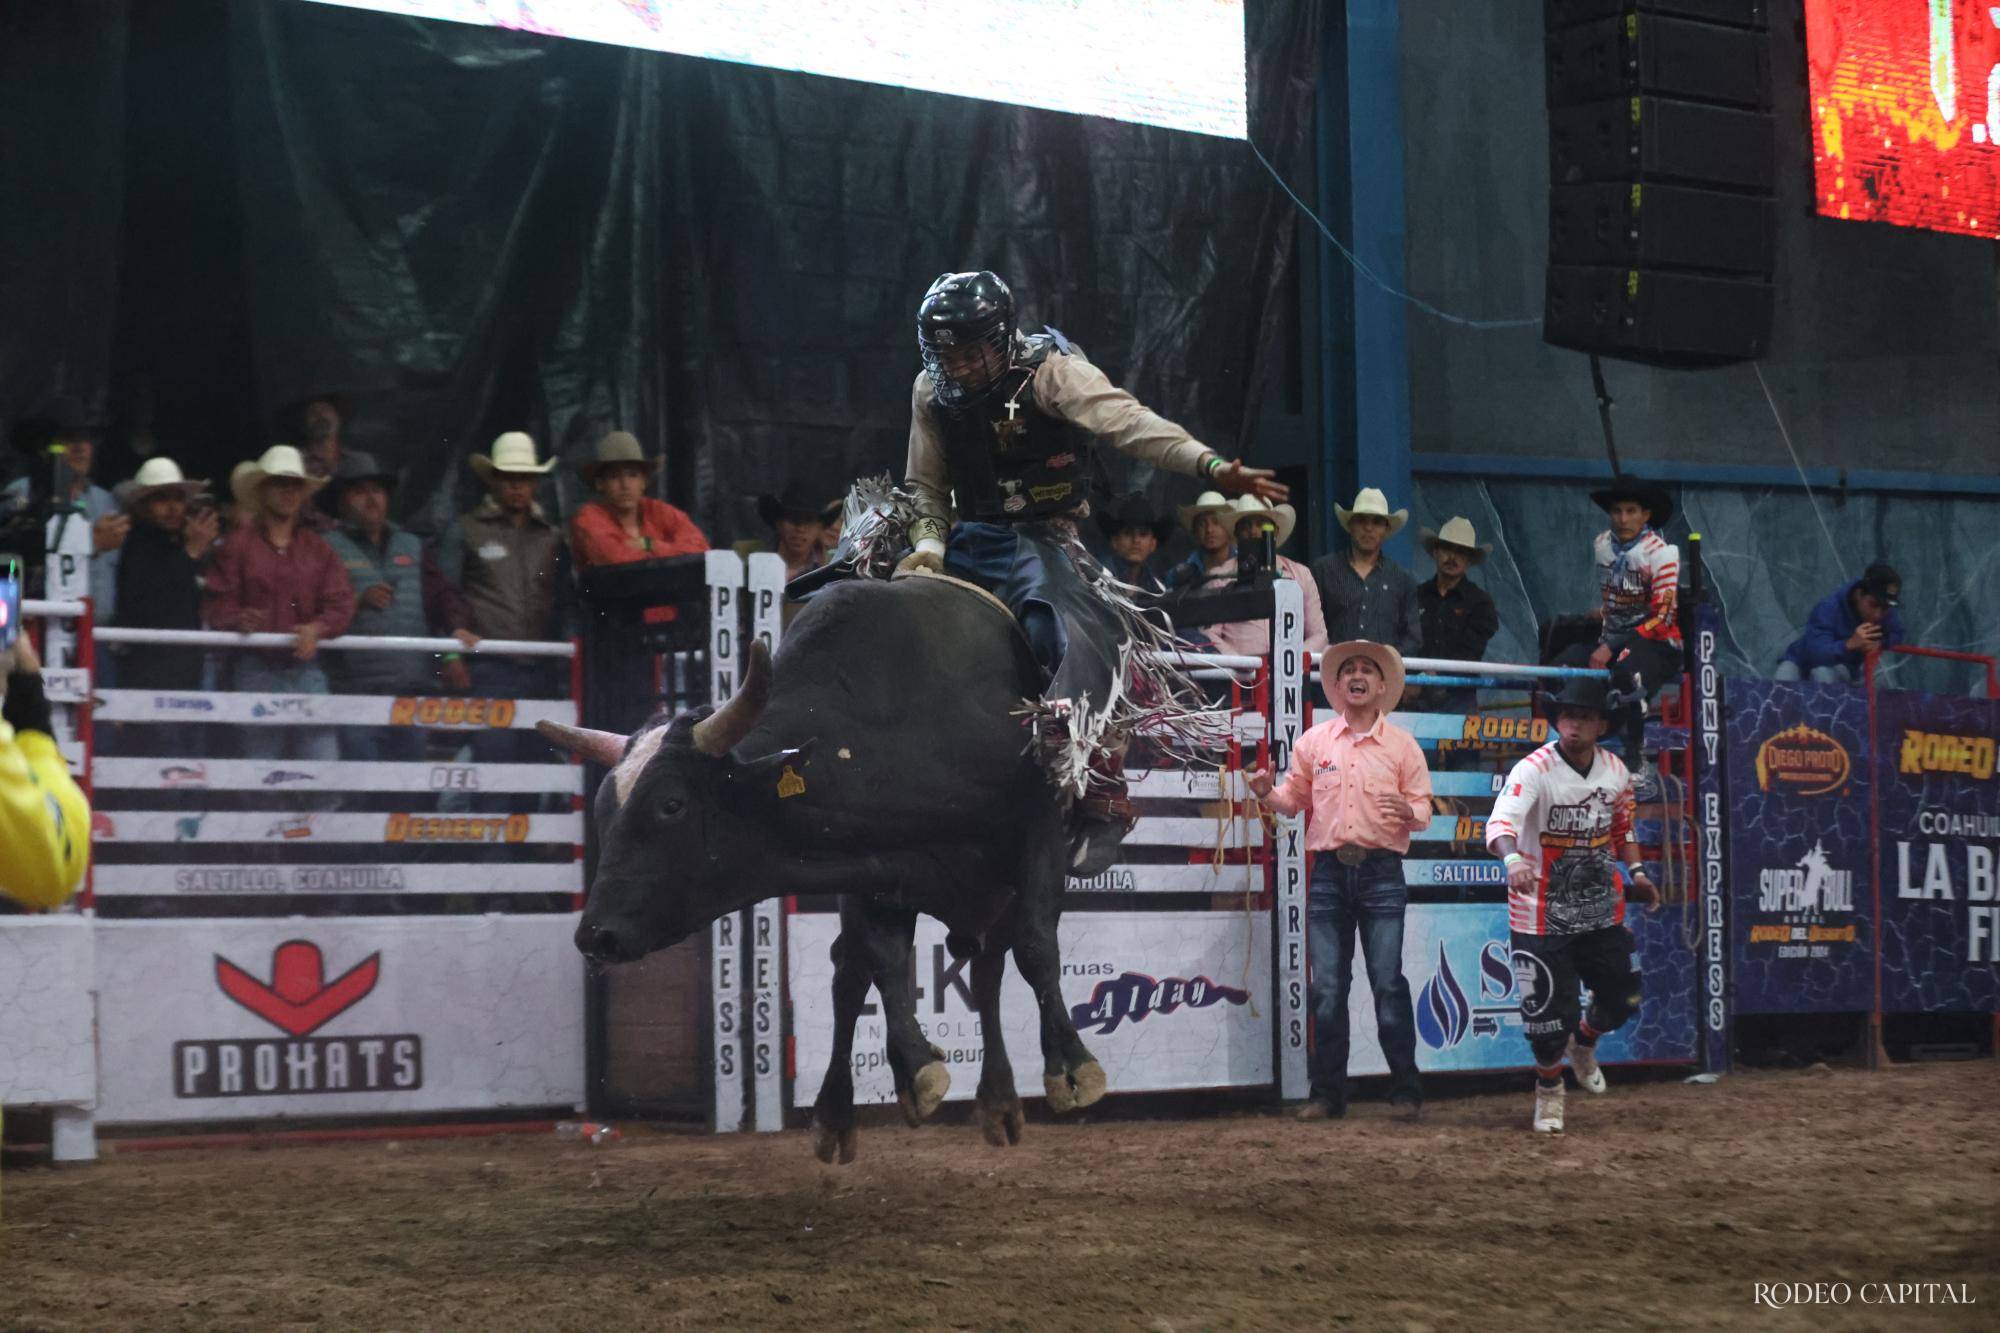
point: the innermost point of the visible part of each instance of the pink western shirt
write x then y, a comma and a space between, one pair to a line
1341, 772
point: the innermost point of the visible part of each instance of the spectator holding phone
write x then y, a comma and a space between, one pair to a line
1849, 626
44, 818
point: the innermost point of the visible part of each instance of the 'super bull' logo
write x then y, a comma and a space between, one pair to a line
1136, 996
298, 1001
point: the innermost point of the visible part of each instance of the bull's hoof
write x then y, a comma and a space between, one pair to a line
831, 1144
1001, 1123
1081, 1087
927, 1090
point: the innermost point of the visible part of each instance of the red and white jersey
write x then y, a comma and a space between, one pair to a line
1570, 827
1640, 586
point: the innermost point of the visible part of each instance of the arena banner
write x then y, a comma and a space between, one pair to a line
1289, 665
726, 935
766, 1014
1163, 999
1711, 840
166, 880
331, 775
1800, 936
1459, 961
1938, 783
312, 827
48, 1017
269, 1018
312, 710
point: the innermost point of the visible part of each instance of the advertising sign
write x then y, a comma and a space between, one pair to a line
1938, 772
264, 1018
1162, 999
47, 1018
1459, 961
1798, 857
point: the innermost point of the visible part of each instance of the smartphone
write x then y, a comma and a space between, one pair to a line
10, 601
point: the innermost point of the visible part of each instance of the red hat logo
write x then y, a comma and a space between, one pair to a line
298, 999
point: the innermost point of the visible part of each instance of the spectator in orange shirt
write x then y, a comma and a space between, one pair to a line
623, 523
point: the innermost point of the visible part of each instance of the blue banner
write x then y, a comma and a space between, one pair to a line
1798, 854
1940, 832
1458, 959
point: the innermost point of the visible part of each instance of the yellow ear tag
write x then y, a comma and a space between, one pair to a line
790, 784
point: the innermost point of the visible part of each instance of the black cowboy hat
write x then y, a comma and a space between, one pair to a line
1133, 510
793, 503
1651, 495
1578, 692
355, 465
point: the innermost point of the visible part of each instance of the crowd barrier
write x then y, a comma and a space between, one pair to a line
1185, 963
262, 938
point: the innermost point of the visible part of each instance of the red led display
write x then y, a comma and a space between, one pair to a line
1906, 112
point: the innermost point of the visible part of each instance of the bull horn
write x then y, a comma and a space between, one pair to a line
601, 747
721, 731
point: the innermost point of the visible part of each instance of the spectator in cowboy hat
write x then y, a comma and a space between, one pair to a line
1457, 615
798, 526
1249, 521
1850, 625
274, 575
1207, 522
624, 523
1135, 533
510, 561
159, 579
400, 591
1363, 593
1367, 787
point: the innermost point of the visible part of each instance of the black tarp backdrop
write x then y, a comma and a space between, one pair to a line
471, 230
62, 110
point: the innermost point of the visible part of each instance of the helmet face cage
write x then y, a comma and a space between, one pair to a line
965, 330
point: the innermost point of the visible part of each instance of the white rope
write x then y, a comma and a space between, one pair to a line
1786, 436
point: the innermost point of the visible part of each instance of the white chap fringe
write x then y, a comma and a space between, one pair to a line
1150, 698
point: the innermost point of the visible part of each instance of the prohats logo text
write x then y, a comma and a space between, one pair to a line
298, 1000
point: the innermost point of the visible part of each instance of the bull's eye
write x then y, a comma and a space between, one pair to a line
672, 806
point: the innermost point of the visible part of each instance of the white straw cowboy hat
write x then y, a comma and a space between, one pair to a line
1385, 658
1457, 532
617, 447
1247, 506
1208, 502
514, 454
280, 462
155, 475
1371, 503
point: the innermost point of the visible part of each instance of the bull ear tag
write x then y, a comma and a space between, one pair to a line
790, 783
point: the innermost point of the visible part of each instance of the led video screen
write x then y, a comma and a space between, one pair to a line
1173, 63
1906, 112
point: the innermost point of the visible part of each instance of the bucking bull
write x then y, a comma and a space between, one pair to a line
881, 758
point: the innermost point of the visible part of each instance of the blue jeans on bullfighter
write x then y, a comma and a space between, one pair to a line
1369, 900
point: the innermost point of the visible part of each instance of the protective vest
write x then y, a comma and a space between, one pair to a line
400, 564
1012, 462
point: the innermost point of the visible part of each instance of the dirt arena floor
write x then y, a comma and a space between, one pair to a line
1662, 1207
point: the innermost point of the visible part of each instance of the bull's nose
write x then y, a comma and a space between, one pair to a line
597, 943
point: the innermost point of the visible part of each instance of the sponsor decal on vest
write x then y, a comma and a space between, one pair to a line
1044, 494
